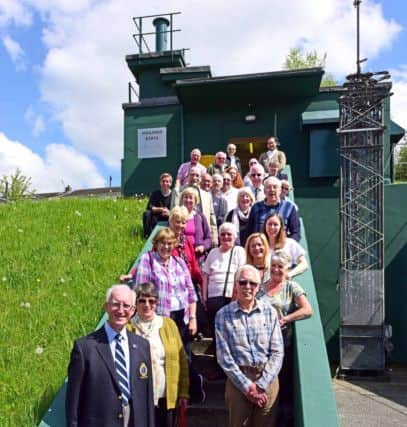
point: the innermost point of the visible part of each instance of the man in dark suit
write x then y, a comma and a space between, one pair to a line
109, 374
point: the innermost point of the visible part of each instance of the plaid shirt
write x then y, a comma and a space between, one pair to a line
249, 339
151, 269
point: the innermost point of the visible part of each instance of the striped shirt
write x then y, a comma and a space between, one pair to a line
249, 339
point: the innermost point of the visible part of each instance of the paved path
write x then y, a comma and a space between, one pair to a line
373, 403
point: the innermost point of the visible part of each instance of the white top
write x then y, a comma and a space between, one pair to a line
293, 248
150, 330
216, 266
231, 198
271, 153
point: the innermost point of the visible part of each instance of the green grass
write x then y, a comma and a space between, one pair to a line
57, 258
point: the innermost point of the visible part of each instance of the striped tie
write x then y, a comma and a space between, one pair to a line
121, 370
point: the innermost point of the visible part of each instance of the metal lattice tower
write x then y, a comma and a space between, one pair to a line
361, 129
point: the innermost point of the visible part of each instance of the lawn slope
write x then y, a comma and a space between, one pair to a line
57, 258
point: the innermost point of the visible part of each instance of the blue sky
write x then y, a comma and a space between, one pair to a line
63, 75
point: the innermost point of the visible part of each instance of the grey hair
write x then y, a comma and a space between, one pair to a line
120, 286
258, 166
217, 175
274, 180
248, 267
230, 227
146, 289
283, 257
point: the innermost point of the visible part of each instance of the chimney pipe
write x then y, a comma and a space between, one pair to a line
161, 27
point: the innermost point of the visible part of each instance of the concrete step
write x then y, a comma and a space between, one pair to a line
211, 413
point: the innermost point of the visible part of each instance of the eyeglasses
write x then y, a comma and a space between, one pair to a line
245, 282
151, 301
256, 174
226, 234
116, 305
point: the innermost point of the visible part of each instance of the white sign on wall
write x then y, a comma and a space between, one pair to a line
152, 142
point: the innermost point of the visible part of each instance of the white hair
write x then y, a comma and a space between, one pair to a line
217, 175
228, 227
120, 286
248, 267
273, 180
257, 166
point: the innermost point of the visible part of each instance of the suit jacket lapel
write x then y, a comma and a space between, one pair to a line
103, 349
134, 360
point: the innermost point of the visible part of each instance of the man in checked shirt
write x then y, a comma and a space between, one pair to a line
250, 350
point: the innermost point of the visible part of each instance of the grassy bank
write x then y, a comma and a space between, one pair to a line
56, 260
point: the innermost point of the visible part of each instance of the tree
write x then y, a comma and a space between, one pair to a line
401, 162
297, 59
15, 186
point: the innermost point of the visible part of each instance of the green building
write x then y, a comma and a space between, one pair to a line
182, 107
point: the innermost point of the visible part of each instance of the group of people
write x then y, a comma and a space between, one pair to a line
228, 255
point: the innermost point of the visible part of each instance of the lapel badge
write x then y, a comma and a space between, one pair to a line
143, 371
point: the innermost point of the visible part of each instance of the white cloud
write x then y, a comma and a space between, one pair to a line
39, 126
16, 52
399, 99
14, 11
84, 75
61, 165
35, 120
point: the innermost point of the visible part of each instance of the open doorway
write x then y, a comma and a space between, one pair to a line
246, 148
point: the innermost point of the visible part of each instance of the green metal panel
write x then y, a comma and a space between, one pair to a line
320, 116
324, 153
151, 85
238, 90
314, 400
396, 132
319, 208
395, 256
142, 175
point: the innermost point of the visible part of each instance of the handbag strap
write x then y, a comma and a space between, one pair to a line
227, 273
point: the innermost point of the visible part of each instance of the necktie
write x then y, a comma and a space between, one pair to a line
256, 192
121, 370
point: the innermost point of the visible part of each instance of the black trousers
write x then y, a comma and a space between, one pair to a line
164, 417
213, 305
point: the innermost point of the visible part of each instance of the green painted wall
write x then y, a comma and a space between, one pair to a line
142, 175
211, 129
152, 85
319, 209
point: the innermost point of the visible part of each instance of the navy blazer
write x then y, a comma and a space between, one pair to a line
93, 397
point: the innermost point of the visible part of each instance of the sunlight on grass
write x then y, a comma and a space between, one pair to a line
57, 259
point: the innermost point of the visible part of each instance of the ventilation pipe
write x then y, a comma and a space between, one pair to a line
161, 28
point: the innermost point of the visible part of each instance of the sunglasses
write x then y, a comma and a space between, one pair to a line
256, 174
151, 301
244, 282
